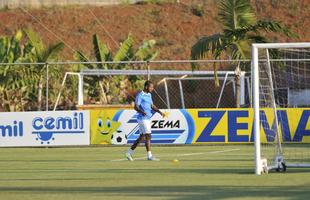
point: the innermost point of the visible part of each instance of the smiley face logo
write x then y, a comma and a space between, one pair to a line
103, 128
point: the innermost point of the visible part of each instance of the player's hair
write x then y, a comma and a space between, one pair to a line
147, 83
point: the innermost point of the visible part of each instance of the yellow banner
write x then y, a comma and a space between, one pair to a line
236, 125
187, 126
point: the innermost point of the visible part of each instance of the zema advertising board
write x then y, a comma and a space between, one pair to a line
188, 126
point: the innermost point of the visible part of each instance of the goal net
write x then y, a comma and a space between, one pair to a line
281, 94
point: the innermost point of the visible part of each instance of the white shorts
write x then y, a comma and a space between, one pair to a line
145, 126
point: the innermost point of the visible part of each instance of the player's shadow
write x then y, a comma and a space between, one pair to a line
173, 192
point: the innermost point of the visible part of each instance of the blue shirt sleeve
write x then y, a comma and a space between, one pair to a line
138, 99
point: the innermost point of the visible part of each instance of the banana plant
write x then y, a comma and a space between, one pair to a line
41, 53
111, 87
13, 78
10, 50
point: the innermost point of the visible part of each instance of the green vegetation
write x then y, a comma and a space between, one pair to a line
109, 90
240, 30
22, 87
42, 54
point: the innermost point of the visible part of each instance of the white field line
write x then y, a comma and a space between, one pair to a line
181, 155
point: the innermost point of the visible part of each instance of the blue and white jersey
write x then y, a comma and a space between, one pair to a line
144, 102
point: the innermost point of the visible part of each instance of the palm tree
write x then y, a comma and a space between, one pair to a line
110, 86
240, 30
42, 54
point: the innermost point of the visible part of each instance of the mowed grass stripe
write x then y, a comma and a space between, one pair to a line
88, 173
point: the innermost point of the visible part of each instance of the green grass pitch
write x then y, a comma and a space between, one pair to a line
203, 172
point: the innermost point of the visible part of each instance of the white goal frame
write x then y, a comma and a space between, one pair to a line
255, 89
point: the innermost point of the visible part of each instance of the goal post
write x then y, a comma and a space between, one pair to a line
280, 74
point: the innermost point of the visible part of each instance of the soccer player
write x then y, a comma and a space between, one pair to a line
145, 109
